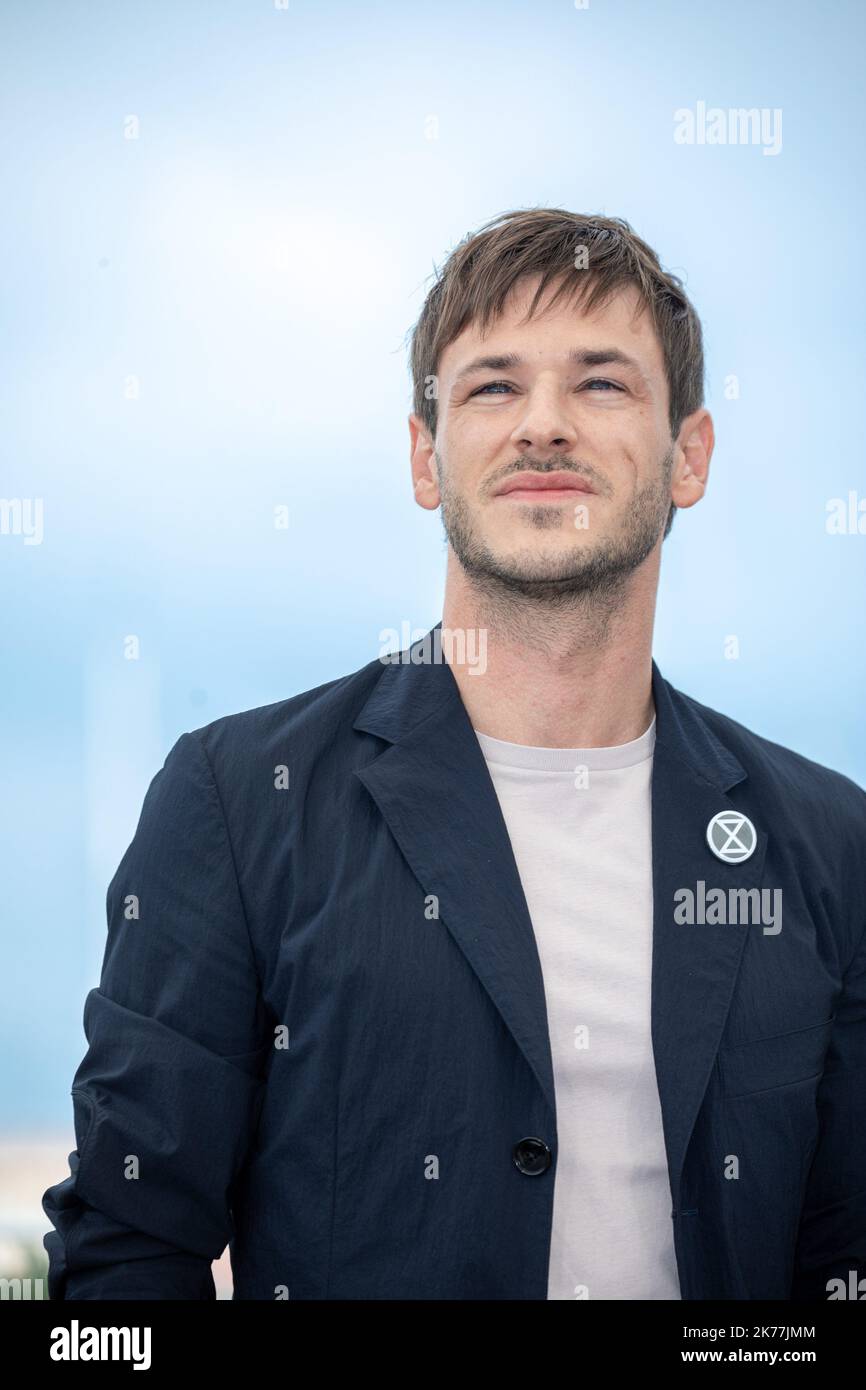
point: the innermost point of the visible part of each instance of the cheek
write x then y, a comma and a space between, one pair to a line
470, 451
630, 453
478, 432
494, 418
607, 437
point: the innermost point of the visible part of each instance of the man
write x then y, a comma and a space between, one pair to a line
499, 969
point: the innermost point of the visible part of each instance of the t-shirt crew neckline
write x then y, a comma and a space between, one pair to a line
638, 750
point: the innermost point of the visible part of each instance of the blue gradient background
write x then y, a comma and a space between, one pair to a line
256, 258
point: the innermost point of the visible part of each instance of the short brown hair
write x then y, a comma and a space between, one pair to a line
484, 267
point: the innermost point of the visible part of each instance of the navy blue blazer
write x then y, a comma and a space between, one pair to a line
320, 1032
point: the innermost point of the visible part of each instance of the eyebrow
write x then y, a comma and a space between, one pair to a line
577, 357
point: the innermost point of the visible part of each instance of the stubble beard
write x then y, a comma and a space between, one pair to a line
589, 579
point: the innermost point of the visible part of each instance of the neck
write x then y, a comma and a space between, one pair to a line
569, 673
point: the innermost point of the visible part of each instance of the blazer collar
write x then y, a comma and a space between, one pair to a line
433, 788
412, 688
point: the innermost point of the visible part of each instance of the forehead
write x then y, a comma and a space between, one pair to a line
554, 330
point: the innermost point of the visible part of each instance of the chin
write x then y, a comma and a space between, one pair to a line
541, 566
537, 559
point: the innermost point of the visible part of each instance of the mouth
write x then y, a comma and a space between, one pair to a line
543, 487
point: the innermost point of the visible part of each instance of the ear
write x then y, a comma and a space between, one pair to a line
425, 479
692, 454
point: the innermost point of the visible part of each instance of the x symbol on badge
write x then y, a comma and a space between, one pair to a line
741, 836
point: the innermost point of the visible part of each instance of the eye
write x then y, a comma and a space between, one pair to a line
496, 387
481, 389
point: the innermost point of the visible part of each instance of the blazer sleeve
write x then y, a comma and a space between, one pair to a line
166, 1099
832, 1236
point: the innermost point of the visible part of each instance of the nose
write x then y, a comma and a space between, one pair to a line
544, 423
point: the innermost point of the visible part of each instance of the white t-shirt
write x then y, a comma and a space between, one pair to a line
579, 820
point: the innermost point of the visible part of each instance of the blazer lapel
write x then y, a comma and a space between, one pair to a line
693, 966
433, 789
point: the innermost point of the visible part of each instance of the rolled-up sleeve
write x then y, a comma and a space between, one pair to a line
167, 1096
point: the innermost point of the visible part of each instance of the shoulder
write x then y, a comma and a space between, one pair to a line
301, 725
801, 788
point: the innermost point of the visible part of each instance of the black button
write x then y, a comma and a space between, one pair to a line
531, 1156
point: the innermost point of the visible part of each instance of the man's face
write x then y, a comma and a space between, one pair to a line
582, 403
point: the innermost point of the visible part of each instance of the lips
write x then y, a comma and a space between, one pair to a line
558, 484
